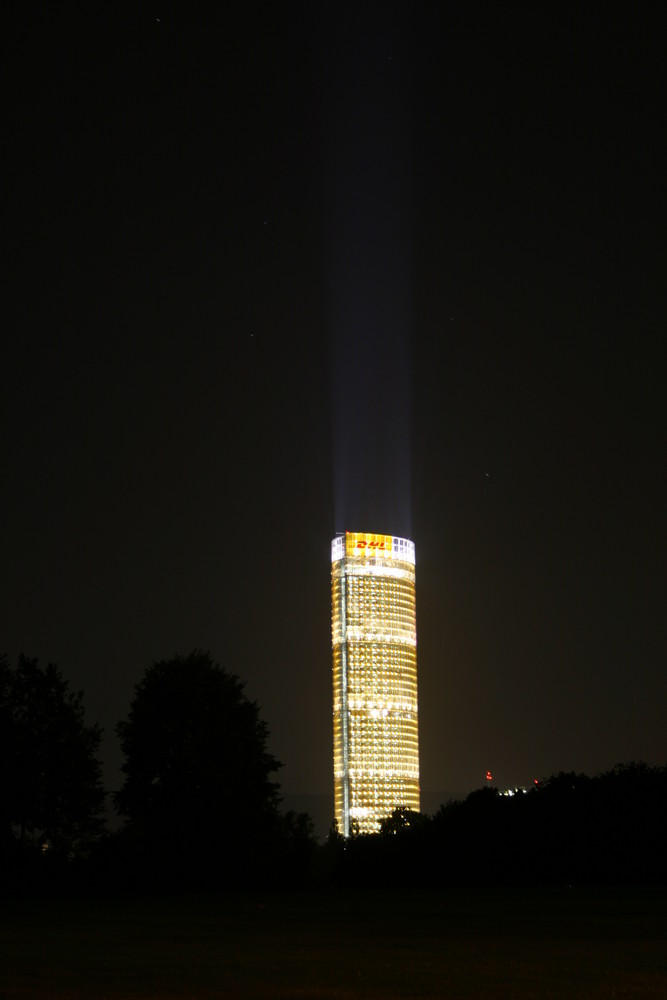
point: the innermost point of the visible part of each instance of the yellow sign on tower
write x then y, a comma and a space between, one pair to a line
362, 543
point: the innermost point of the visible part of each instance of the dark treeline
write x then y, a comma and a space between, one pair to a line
200, 805
570, 830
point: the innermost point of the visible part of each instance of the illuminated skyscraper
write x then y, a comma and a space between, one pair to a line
374, 637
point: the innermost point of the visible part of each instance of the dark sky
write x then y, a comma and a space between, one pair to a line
289, 269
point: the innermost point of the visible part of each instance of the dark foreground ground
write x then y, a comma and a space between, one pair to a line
562, 943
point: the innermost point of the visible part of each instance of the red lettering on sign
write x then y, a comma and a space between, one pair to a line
378, 544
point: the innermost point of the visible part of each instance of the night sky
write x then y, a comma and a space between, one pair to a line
291, 269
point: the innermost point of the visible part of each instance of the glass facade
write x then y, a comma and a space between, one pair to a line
374, 637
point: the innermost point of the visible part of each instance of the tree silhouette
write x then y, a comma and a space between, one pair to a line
198, 794
51, 794
401, 821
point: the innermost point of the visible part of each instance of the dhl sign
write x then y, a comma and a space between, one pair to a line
361, 543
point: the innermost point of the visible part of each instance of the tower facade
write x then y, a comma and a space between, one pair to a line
374, 637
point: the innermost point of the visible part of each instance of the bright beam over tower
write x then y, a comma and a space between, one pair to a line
374, 637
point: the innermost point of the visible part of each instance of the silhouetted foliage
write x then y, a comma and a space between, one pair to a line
51, 794
402, 822
334, 836
572, 829
198, 795
294, 851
